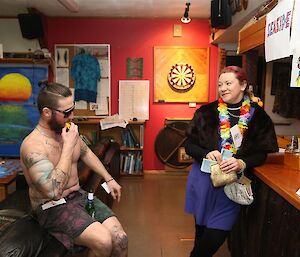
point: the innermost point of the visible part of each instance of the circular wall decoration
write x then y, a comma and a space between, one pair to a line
181, 77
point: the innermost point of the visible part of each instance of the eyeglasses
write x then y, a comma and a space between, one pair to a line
66, 113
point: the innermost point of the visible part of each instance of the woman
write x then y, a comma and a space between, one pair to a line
212, 128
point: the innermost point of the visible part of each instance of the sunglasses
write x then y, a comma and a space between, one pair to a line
66, 113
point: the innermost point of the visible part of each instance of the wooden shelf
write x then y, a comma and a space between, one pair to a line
252, 36
25, 61
132, 175
123, 148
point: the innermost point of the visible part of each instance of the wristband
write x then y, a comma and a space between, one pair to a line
109, 180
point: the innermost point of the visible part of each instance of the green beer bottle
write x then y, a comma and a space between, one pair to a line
90, 207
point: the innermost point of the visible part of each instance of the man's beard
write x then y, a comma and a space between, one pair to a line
54, 125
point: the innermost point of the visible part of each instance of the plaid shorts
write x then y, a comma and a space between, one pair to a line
67, 221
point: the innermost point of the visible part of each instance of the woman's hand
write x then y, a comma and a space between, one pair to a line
214, 155
230, 165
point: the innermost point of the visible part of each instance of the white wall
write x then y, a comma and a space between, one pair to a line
11, 37
289, 130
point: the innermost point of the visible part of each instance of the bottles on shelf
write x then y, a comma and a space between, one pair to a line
90, 207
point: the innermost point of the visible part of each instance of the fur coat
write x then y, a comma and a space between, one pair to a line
203, 131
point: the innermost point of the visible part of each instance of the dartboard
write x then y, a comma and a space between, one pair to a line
181, 76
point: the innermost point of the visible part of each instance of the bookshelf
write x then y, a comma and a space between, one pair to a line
131, 140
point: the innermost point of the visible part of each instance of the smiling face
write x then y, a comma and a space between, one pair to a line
230, 89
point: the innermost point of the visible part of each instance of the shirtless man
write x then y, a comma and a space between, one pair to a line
49, 156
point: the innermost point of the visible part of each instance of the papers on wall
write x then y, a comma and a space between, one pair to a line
104, 68
103, 92
81, 105
295, 76
62, 57
62, 76
277, 32
295, 35
103, 103
134, 99
113, 121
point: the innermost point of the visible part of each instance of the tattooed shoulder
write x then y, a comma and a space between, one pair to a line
83, 148
32, 158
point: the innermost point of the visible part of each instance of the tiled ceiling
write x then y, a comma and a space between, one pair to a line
110, 8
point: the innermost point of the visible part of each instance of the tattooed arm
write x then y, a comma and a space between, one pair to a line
45, 177
92, 161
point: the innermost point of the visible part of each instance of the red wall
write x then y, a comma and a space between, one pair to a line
136, 38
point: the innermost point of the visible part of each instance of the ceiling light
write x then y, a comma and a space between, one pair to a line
71, 5
185, 18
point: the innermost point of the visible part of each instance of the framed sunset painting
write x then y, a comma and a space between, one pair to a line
18, 109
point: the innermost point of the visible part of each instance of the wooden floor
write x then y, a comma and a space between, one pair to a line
152, 213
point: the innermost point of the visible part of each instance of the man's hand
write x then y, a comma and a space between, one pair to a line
115, 189
71, 136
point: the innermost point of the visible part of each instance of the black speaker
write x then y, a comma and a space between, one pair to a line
31, 25
220, 14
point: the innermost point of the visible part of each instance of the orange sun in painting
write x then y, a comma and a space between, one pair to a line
15, 87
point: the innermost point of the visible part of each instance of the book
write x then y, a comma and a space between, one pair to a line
141, 136
135, 141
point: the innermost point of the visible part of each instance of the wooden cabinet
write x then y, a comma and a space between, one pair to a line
270, 226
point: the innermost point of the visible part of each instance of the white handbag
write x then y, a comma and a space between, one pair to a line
240, 191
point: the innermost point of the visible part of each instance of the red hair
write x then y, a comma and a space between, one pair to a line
239, 72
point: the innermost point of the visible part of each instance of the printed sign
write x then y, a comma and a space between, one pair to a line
277, 32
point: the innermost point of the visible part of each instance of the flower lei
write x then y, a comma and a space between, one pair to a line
226, 140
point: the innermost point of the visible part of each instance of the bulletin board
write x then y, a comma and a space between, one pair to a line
196, 61
64, 54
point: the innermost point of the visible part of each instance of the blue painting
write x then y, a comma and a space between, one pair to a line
18, 109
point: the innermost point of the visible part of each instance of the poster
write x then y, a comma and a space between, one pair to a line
295, 35
277, 32
295, 76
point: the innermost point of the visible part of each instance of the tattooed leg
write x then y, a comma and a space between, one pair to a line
120, 242
119, 237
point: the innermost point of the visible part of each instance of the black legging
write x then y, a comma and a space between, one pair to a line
207, 241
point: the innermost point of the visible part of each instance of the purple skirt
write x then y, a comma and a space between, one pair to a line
210, 206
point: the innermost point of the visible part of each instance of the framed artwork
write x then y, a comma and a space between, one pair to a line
134, 67
181, 74
18, 109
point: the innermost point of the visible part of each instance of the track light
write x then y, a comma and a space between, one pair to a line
185, 18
